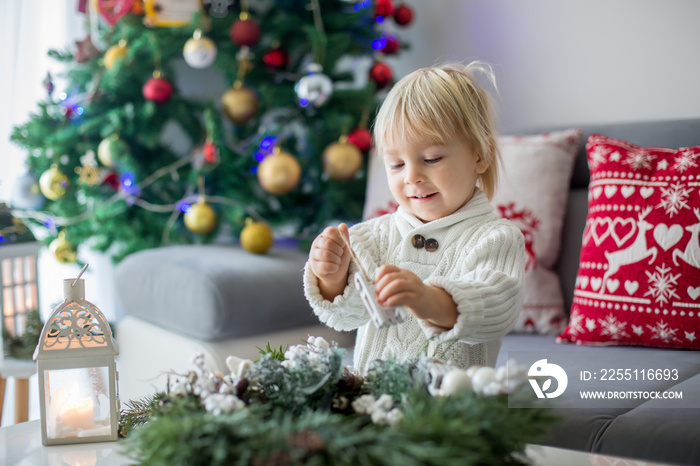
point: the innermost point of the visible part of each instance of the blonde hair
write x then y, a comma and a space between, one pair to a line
440, 103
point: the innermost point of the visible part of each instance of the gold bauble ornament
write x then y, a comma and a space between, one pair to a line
256, 237
279, 173
342, 160
63, 250
240, 104
114, 53
53, 183
201, 218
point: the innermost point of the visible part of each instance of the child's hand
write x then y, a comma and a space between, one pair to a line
329, 260
400, 287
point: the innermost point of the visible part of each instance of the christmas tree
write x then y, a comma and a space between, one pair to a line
135, 154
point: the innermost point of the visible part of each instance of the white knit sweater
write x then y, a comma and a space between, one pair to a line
480, 262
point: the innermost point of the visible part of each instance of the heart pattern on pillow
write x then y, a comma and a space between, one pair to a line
640, 259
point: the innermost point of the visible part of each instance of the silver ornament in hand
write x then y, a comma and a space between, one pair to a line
381, 316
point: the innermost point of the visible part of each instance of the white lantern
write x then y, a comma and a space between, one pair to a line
78, 395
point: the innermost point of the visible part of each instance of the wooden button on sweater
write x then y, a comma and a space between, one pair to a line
431, 245
418, 241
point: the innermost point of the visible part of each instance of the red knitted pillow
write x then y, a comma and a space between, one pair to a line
638, 279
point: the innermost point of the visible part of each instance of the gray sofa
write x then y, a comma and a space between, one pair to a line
640, 429
220, 300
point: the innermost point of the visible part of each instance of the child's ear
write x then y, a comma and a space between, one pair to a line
484, 160
482, 164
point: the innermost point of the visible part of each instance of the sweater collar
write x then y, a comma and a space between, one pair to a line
477, 206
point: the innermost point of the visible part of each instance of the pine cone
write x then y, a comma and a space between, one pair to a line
242, 386
350, 382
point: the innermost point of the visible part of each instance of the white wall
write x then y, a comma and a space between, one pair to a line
569, 61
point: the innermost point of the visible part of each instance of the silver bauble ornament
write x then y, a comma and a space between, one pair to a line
199, 51
315, 88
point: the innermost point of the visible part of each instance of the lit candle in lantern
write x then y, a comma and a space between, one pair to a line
77, 372
78, 416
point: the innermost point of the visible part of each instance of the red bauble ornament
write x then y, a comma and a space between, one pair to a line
112, 180
391, 46
210, 152
244, 32
276, 59
158, 90
384, 8
403, 15
361, 138
381, 74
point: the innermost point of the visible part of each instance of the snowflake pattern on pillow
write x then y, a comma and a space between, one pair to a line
638, 278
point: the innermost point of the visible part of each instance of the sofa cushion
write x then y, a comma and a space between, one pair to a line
216, 292
532, 193
636, 281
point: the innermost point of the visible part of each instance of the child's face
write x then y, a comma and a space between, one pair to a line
432, 181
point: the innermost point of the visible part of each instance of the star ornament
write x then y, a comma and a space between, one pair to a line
85, 50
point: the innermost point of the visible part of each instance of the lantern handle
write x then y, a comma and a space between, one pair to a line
79, 275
